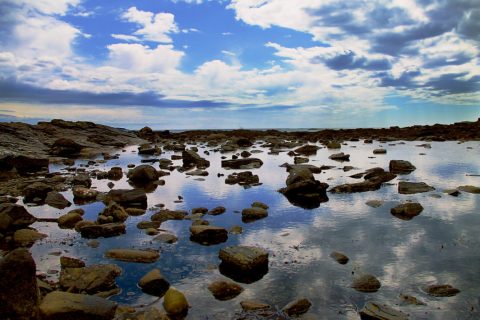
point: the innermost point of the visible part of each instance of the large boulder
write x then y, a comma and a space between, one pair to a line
128, 198
143, 174
18, 286
303, 189
208, 235
175, 303
83, 194
245, 163
190, 158
401, 167
405, 187
59, 305
91, 280
14, 216
146, 133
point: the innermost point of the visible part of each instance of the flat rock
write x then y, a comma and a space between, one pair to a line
63, 305
442, 290
405, 187
148, 224
366, 283
339, 257
175, 303
208, 234
245, 163
407, 211
308, 149
379, 151
470, 189
128, 198
154, 283
217, 210
164, 215
27, 237
57, 200
102, 230
374, 203
83, 193
401, 167
252, 305
133, 255
377, 311
244, 257
166, 237
224, 290
339, 157
260, 205
254, 213
69, 262
90, 280
297, 307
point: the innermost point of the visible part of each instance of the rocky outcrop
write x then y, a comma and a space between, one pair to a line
22, 164
66, 148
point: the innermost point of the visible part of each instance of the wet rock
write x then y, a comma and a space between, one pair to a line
165, 163
148, 224
201, 210
154, 283
243, 178
63, 305
128, 198
254, 213
340, 157
245, 154
175, 303
259, 204
339, 257
148, 149
300, 160
116, 211
84, 194
247, 163
405, 187
401, 167
236, 230
115, 173
377, 311
307, 150
57, 200
65, 147
251, 305
27, 237
151, 231
69, 220
368, 141
18, 286
143, 174
36, 192
166, 237
452, 192
102, 230
310, 167
297, 307
93, 243
334, 145
90, 280
14, 216
146, 133
379, 151
82, 180
191, 158
164, 215
470, 189
442, 290
224, 290
197, 173
303, 190
374, 178
23, 164
200, 222
133, 255
408, 299
69, 262
244, 257
366, 283
217, 210
208, 235
407, 211
374, 203
134, 211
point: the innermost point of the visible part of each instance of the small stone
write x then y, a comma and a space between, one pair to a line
379, 151
93, 243
442, 290
225, 290
366, 283
297, 307
339, 257
405, 187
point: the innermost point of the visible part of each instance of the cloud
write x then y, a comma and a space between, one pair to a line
153, 27
125, 37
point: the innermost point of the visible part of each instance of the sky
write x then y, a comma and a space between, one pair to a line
228, 64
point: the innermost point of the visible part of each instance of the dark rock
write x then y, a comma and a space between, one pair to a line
297, 307
247, 163
14, 216
217, 210
82, 180
339, 257
18, 286
244, 257
245, 154
66, 148
154, 283
379, 151
134, 211
104, 230
197, 173
401, 167
366, 283
81, 194
334, 145
259, 204
69, 262
69, 220
251, 305
143, 174
148, 149
133, 255
405, 187
91, 280
191, 158
115, 173
340, 157
303, 190
166, 237
377, 311
254, 213
243, 178
128, 198
23, 164
146, 133
164, 215
300, 160
201, 210
148, 224
208, 235
470, 189
442, 290
224, 290
310, 167
36, 190
116, 211
307, 150
407, 211
57, 200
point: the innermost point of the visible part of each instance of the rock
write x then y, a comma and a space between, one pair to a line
374, 203
143, 174
300, 160
154, 283
368, 141
251, 305
151, 231
217, 210
303, 190
134, 211
69, 220
334, 145
297, 307
252, 214
191, 158
146, 133
310, 167
164, 215
339, 257
102, 230
116, 211
442, 290
401, 167
133, 255
82, 180
23, 164
166, 237
165, 163
175, 303
18, 286
259, 204
405, 187
197, 173
408, 299
407, 210
340, 157
243, 178
57, 200
148, 149
366, 283
247, 163
148, 224
27, 237
201, 210
84, 194
307, 150
224, 290
68, 262
63, 305
66, 148
36, 190
208, 235
93, 243
236, 230
452, 192
14, 216
379, 151
128, 198
377, 311
244, 257
90, 280
115, 173
245, 154
470, 189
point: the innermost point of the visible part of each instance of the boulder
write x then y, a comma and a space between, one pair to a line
146, 133
244, 258
303, 190
377, 311
175, 303
66, 148
442, 290
340, 157
197, 173
14, 216
339, 257
27, 237
245, 154
254, 213
366, 283
128, 198
102, 230
115, 173
90, 280
154, 283
69, 220
407, 210
400, 167
224, 290
23, 164
57, 200
405, 187
148, 224
208, 235
18, 286
297, 307
36, 192
307, 150
191, 158
334, 145
246, 163
300, 160
251, 305
143, 174
59, 305
258, 204
133, 255
148, 149
166, 237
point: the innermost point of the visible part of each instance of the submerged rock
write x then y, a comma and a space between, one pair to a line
377, 311
297, 307
208, 235
405, 187
339, 257
253, 214
374, 203
470, 189
407, 211
224, 290
217, 210
133, 255
91, 280
366, 283
442, 290
166, 237
154, 283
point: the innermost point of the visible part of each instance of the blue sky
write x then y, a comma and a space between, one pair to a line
240, 63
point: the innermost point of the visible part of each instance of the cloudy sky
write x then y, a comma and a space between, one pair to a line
240, 63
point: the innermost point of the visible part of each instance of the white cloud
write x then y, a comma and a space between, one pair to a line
49, 6
125, 37
154, 27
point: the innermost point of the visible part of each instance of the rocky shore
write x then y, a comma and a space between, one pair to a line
27, 153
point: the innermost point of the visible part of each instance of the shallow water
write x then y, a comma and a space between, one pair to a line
441, 245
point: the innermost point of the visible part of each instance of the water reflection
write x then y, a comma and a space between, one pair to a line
441, 245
